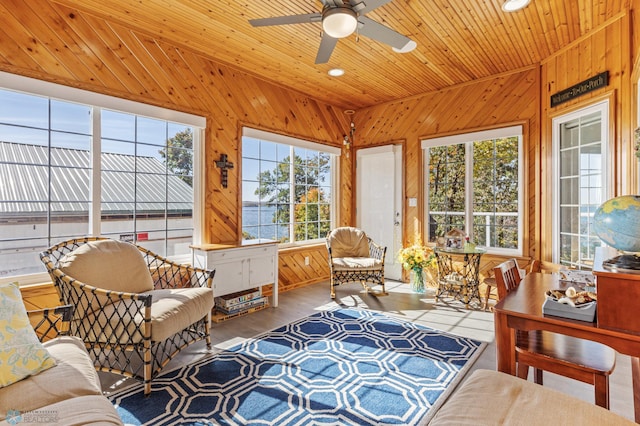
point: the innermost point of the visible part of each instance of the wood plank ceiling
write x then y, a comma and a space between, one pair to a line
458, 40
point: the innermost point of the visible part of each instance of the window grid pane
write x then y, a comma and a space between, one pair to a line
279, 181
581, 189
153, 204
493, 191
44, 169
446, 189
46, 147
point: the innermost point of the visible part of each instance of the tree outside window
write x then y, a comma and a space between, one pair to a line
286, 192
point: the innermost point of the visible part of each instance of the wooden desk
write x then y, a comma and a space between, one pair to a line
522, 310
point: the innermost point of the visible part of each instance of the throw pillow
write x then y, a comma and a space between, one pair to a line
21, 353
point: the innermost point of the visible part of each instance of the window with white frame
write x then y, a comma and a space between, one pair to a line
288, 187
71, 168
474, 183
580, 162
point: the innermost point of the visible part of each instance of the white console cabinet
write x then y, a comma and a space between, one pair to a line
250, 264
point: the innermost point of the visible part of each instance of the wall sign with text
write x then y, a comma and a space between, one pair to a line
589, 85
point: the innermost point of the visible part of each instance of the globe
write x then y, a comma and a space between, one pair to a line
617, 223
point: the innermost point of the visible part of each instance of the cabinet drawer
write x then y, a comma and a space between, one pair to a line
237, 254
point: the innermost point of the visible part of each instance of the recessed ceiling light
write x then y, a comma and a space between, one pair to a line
406, 48
513, 5
336, 72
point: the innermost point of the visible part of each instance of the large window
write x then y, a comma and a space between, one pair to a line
71, 169
474, 183
287, 188
580, 148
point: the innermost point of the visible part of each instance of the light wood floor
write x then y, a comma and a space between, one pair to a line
401, 302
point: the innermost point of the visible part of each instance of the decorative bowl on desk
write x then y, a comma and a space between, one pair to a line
571, 304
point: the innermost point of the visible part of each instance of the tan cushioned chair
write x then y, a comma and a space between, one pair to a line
354, 257
134, 310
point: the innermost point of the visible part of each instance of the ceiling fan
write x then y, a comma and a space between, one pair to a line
340, 19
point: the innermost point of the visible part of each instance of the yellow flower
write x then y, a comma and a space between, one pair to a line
416, 257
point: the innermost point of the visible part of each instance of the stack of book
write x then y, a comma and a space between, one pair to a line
239, 302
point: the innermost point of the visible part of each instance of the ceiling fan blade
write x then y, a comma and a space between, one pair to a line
286, 20
379, 32
327, 44
369, 5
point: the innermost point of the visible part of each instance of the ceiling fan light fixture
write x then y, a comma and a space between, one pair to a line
339, 22
513, 5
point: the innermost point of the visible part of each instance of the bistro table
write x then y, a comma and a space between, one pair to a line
521, 309
459, 283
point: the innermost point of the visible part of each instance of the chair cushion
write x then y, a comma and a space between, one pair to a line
348, 242
172, 310
21, 353
74, 375
110, 265
356, 264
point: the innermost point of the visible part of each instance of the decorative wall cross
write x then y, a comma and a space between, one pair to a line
224, 166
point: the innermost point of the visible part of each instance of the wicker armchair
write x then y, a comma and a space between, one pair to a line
50, 323
134, 310
354, 257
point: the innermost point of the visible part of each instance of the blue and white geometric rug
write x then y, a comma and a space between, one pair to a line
343, 366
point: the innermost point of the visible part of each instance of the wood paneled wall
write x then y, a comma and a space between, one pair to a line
51, 42
500, 101
607, 48
520, 97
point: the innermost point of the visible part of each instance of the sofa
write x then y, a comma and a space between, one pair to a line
66, 391
494, 398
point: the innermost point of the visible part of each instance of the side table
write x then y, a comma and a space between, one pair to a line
461, 284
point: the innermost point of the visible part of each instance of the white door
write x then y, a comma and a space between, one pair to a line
379, 201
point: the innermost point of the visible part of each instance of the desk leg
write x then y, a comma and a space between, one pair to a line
505, 345
635, 373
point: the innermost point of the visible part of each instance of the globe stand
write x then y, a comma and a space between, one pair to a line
629, 263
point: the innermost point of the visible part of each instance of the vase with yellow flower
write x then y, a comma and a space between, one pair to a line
417, 259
